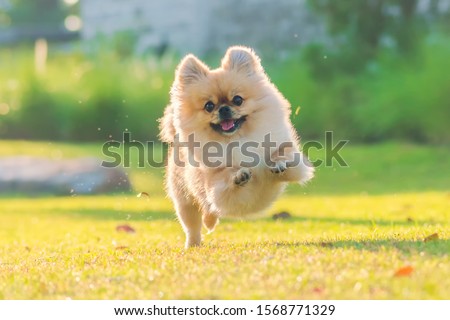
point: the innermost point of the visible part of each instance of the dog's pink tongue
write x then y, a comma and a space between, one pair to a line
227, 124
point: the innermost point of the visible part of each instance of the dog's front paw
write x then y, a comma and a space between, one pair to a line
280, 167
242, 176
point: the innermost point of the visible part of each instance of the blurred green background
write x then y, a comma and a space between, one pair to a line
380, 72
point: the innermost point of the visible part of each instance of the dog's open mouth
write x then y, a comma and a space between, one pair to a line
228, 125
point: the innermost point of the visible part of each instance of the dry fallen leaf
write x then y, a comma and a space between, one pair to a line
404, 271
326, 244
281, 215
317, 290
125, 228
431, 237
121, 247
141, 194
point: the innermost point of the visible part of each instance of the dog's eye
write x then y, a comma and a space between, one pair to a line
209, 106
237, 100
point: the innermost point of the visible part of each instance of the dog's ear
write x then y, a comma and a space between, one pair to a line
191, 69
242, 59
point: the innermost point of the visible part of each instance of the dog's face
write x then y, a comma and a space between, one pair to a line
221, 102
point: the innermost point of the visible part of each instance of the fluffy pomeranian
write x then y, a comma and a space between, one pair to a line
233, 147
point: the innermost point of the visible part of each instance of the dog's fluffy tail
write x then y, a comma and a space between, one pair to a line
166, 127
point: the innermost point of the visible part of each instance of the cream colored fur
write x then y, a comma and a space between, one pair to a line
203, 194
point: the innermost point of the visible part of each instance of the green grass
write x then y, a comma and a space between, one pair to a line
351, 229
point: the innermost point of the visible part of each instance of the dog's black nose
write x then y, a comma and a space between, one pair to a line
225, 112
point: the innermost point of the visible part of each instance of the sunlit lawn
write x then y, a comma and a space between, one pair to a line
351, 230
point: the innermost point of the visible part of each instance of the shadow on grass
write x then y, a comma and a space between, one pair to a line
350, 221
408, 247
145, 215
153, 215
